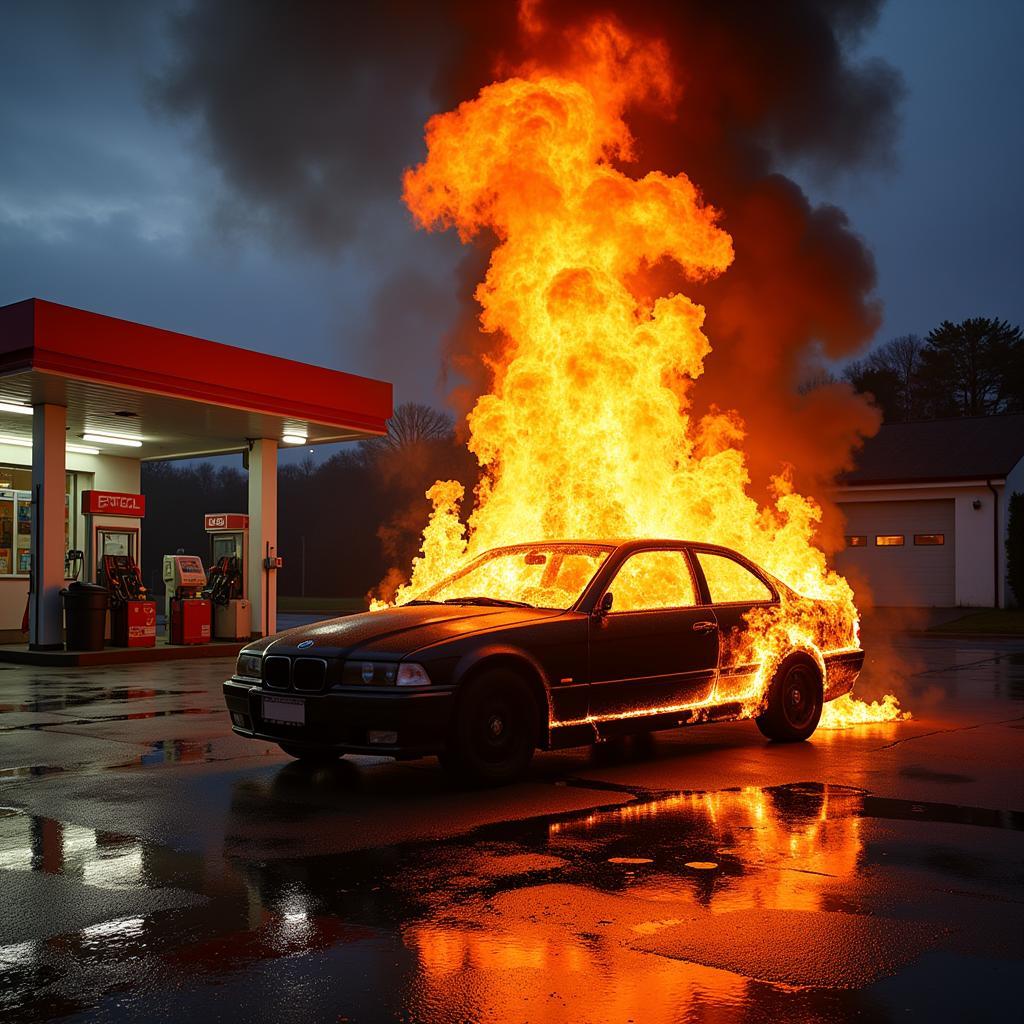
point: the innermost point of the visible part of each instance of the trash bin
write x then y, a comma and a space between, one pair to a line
85, 615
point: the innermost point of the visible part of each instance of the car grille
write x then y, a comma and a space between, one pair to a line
309, 674
277, 672
305, 675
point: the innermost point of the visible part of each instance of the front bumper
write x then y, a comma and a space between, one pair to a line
343, 719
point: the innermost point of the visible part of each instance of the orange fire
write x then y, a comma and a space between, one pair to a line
587, 430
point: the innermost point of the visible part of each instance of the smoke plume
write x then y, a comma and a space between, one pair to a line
311, 110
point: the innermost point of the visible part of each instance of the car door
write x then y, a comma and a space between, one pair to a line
655, 648
735, 590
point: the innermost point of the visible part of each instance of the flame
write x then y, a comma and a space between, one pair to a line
587, 431
845, 712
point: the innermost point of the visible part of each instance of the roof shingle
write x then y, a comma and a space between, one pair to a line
978, 447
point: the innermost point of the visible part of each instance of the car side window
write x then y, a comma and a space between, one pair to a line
729, 582
653, 579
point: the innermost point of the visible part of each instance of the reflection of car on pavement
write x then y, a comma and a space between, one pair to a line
540, 645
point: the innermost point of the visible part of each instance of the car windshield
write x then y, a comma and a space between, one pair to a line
534, 576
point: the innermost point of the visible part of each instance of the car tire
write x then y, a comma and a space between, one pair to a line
495, 730
310, 755
795, 700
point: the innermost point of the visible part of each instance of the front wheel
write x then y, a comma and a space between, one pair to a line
495, 730
795, 700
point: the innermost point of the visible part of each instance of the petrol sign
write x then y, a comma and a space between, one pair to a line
226, 521
113, 503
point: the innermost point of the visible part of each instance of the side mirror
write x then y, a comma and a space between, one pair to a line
606, 603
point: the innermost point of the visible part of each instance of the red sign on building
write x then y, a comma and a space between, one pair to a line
113, 503
226, 521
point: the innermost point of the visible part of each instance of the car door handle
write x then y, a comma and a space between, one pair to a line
704, 627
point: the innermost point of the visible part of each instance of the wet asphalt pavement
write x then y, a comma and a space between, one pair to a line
156, 868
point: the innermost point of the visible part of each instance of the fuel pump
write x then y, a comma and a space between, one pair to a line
188, 611
229, 572
132, 614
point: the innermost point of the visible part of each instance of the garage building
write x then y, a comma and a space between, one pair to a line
926, 511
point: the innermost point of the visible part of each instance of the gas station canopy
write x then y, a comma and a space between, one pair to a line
177, 395
94, 395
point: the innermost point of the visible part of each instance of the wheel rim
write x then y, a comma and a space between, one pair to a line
799, 697
497, 733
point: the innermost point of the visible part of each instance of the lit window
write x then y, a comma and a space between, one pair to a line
730, 582
889, 540
857, 541
929, 539
653, 579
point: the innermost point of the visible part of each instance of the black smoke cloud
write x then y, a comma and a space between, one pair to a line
311, 110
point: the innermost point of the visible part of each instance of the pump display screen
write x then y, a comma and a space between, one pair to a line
190, 570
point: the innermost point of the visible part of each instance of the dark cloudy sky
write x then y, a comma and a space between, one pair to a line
113, 198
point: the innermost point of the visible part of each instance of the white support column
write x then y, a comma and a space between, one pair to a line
45, 620
263, 535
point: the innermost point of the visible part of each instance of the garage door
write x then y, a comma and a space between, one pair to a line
904, 550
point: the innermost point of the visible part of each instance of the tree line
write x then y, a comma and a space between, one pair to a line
971, 368
342, 523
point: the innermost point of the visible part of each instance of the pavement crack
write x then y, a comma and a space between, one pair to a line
940, 732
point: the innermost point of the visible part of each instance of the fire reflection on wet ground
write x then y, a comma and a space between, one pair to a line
595, 916
638, 900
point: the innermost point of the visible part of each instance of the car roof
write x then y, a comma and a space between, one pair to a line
619, 542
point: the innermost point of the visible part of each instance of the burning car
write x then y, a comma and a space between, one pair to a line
550, 645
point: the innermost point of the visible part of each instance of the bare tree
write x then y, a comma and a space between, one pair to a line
892, 373
411, 424
819, 377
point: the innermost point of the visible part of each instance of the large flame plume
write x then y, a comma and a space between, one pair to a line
587, 431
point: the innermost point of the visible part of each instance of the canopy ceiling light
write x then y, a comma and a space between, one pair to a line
291, 438
101, 437
23, 442
25, 410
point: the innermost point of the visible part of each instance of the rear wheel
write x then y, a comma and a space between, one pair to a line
495, 729
795, 700
310, 755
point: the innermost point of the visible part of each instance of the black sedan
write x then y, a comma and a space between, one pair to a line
546, 645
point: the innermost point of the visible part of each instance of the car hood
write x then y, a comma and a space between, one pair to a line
395, 632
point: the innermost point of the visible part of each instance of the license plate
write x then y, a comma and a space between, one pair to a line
284, 710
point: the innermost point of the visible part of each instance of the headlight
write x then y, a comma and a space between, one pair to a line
411, 674
384, 673
249, 665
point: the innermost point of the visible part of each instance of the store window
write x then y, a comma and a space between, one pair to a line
16, 519
857, 541
929, 539
889, 540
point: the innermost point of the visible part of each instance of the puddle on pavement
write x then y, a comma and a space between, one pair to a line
589, 916
90, 694
160, 752
133, 717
